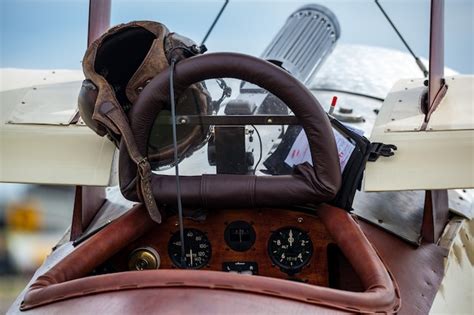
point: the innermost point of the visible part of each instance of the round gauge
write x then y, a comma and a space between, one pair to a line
290, 249
239, 235
196, 246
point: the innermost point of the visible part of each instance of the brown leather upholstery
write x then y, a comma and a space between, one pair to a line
180, 301
117, 67
97, 89
307, 185
418, 270
154, 63
65, 280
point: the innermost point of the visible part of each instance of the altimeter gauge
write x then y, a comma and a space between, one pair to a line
290, 249
197, 249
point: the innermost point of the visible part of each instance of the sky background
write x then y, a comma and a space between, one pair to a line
52, 34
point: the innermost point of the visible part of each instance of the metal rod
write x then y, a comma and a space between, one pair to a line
176, 166
230, 120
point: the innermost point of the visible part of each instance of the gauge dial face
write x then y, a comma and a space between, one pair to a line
290, 249
240, 236
196, 247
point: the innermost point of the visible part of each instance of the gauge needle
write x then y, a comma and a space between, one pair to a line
191, 256
291, 239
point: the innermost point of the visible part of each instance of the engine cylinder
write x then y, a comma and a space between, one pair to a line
307, 38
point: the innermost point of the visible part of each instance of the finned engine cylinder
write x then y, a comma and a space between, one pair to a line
307, 38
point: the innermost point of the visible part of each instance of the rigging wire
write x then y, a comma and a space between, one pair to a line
417, 60
214, 22
176, 164
261, 149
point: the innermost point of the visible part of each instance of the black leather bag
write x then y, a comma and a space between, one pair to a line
353, 170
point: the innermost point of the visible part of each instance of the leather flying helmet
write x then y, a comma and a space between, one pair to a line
118, 66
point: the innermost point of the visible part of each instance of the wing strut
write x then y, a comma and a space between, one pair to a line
436, 209
89, 199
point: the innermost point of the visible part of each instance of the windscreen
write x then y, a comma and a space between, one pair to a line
229, 126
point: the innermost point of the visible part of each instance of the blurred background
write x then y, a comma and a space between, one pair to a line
52, 34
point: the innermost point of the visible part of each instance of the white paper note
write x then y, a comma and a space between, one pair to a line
300, 152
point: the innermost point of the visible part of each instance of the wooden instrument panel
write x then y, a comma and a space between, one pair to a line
263, 221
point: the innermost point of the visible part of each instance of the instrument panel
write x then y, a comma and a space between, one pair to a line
278, 243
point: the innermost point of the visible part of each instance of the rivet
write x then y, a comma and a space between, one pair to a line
139, 89
300, 219
269, 121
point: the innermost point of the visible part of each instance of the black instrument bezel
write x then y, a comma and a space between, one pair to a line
242, 247
290, 270
178, 263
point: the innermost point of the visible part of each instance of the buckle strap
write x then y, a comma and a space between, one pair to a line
144, 171
120, 121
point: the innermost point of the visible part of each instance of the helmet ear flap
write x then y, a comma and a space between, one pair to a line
86, 103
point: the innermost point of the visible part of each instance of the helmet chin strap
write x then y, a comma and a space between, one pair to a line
176, 164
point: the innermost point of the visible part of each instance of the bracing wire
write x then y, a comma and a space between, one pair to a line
261, 149
214, 22
417, 60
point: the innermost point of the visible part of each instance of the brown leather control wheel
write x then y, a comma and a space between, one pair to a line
309, 184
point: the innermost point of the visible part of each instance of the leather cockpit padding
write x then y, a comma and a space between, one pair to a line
418, 270
68, 278
315, 184
182, 301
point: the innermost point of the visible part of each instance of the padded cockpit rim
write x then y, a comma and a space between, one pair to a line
65, 280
